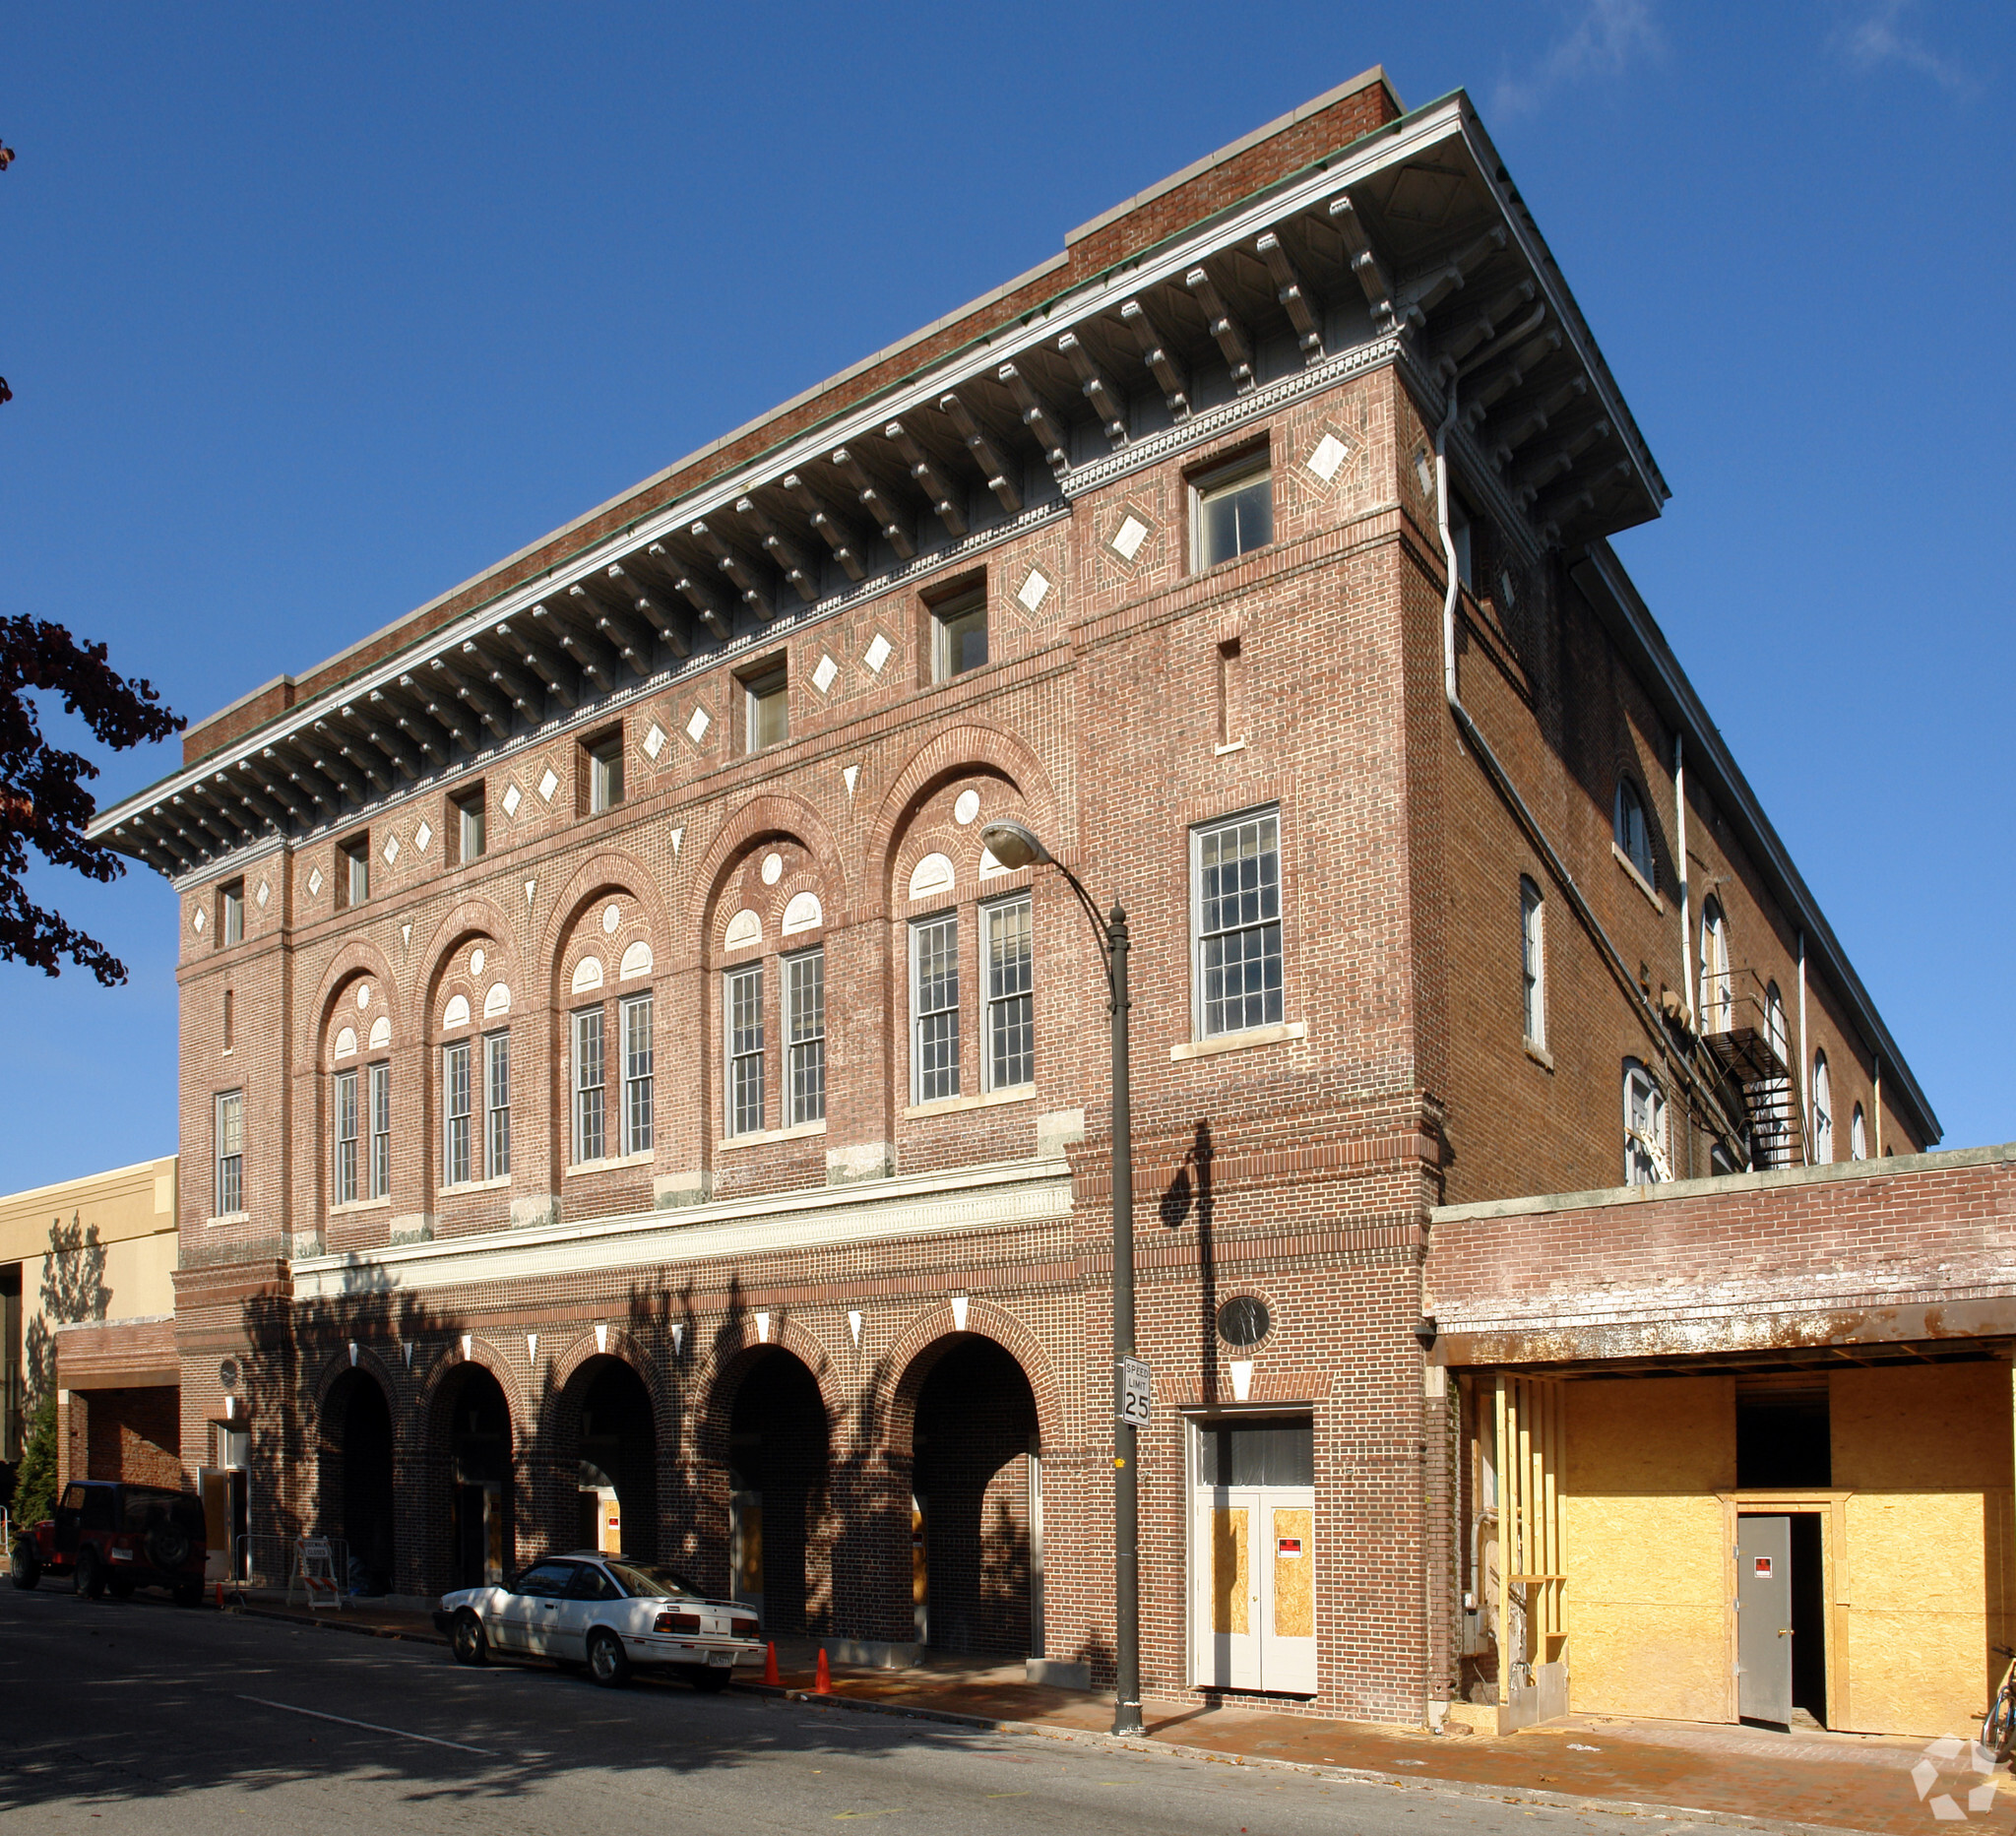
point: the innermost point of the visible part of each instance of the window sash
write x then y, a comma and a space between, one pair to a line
935, 1008
1647, 1160
805, 1035
637, 1074
1236, 914
958, 634
1533, 961
473, 840
233, 927
344, 1170
1235, 517
455, 1115
604, 778
230, 1153
357, 873
379, 1103
590, 1142
496, 1105
742, 1028
1011, 995
769, 711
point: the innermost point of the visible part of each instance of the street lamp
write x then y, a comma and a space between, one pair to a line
1014, 846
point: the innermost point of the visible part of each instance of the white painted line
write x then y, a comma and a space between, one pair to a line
398, 1734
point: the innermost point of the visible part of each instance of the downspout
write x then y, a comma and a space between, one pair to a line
1655, 1024
1876, 1102
1681, 833
1806, 1064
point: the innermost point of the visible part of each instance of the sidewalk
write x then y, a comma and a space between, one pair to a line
1857, 1782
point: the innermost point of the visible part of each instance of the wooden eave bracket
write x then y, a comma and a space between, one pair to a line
846, 546
1234, 339
888, 517
929, 479
730, 562
1374, 277
1037, 417
1303, 313
1155, 352
788, 558
1108, 402
995, 467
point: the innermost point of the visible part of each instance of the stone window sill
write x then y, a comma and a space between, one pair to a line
1239, 1042
647, 1158
761, 1137
228, 1216
361, 1204
1638, 879
474, 1186
1540, 1054
987, 1100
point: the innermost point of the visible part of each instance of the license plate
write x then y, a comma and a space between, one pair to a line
720, 1659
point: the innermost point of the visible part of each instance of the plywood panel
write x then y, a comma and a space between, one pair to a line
1295, 1600
1652, 1435
1943, 1428
1229, 1571
1664, 1663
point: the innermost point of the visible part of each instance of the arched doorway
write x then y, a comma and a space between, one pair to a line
617, 1496
776, 1456
977, 1515
473, 1431
357, 1479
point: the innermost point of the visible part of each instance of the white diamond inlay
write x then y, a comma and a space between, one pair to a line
263, 893
822, 677
1329, 456
389, 850
548, 784
1034, 589
422, 836
314, 881
1129, 537
696, 728
878, 653
512, 798
654, 740
197, 921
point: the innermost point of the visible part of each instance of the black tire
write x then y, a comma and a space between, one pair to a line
188, 1593
90, 1581
607, 1662
467, 1639
168, 1549
25, 1568
709, 1679
1996, 1725
119, 1586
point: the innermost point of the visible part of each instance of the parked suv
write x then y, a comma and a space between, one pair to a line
112, 1537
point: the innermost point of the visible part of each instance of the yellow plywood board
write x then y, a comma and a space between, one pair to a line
1939, 1428
1659, 1435
1294, 1599
1229, 1576
1664, 1663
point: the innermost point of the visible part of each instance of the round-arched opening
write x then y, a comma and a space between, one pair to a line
976, 1514
357, 1479
617, 1496
473, 1431
777, 1457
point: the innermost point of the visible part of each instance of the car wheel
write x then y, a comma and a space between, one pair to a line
25, 1569
471, 1645
607, 1663
90, 1574
168, 1548
711, 1680
119, 1586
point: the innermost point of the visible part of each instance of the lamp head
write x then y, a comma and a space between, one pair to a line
1013, 845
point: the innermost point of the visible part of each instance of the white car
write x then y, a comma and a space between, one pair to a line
606, 1612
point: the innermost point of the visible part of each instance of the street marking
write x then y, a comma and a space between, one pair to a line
372, 1727
1007, 1793
841, 1816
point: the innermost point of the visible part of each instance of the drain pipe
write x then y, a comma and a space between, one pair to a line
1654, 1025
1806, 1065
1680, 835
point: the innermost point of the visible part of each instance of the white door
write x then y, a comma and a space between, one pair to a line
1255, 1609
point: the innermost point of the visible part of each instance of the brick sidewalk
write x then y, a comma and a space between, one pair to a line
1836, 1781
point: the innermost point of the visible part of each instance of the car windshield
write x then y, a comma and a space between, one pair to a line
651, 1580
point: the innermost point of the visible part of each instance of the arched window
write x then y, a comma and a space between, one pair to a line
1823, 1112
1533, 961
1647, 1155
1858, 1136
1715, 989
1634, 834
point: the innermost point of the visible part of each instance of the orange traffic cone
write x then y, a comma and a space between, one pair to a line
822, 1677
220, 1597
769, 1675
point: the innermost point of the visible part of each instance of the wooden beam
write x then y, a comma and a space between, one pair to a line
1430, 290
789, 559
527, 695
634, 590
410, 725
695, 589
1374, 277
475, 694
1509, 375
628, 639
1474, 333
1156, 352
1302, 312
1037, 417
374, 729
276, 790
559, 677
1108, 402
846, 546
1001, 480
1527, 481
730, 562
888, 519
1232, 338
206, 821
443, 709
567, 625
365, 760
929, 479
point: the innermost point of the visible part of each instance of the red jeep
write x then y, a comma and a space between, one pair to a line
115, 1537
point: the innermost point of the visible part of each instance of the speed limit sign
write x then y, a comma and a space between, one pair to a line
1131, 1403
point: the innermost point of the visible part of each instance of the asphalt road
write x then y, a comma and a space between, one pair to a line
147, 1718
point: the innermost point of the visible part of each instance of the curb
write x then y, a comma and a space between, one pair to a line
418, 1636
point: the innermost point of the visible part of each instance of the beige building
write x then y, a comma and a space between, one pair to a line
86, 1305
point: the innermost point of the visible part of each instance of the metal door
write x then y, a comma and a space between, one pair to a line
1764, 1619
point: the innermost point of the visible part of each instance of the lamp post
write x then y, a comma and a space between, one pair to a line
1015, 846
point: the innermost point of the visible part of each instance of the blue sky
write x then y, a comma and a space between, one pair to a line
312, 312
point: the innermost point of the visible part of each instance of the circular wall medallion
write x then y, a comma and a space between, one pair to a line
1243, 1320
773, 869
611, 917
477, 960
227, 1374
966, 807
363, 994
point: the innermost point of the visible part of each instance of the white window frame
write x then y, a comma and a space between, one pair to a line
471, 817
745, 1104
497, 1103
229, 1139
1648, 1141
343, 1120
804, 1036
377, 1127
946, 1082
996, 1006
1628, 802
1823, 1110
1533, 961
638, 1072
1224, 481
458, 1163
231, 927
1715, 980
1271, 1014
958, 609
1858, 1135
355, 854
589, 1060
604, 774
758, 692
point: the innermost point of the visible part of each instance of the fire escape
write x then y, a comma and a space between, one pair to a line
1744, 1034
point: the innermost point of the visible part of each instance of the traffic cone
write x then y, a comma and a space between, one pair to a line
220, 1597
769, 1675
822, 1677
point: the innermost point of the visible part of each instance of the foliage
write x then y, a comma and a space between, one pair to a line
43, 795
35, 1480
73, 1288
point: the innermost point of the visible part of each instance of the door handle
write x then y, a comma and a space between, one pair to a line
1785, 1632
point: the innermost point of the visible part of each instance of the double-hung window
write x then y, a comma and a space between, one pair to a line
742, 1016
456, 1165
590, 1139
605, 765
1534, 961
1647, 1153
637, 1074
1010, 963
1232, 512
378, 1112
343, 1183
1236, 917
935, 1008
804, 988
230, 1153
496, 1105
232, 913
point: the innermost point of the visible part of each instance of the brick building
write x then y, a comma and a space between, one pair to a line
622, 1097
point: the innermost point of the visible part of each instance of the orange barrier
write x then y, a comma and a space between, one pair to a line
769, 1675
822, 1677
